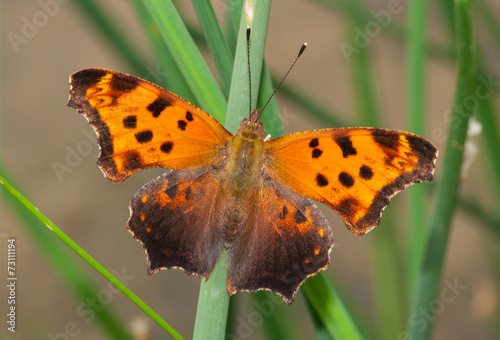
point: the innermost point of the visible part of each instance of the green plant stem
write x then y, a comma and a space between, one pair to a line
66, 267
416, 108
187, 56
211, 314
213, 304
165, 71
89, 259
238, 102
217, 44
428, 281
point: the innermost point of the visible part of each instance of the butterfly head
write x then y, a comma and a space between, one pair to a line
252, 126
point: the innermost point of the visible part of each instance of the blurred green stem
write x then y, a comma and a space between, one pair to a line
428, 281
416, 112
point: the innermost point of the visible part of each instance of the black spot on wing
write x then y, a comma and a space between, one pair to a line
157, 106
172, 192
314, 143
365, 172
130, 122
181, 124
189, 116
316, 153
346, 180
166, 147
298, 217
345, 145
321, 180
144, 136
283, 213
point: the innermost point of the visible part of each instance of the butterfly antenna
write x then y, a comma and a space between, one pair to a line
302, 48
249, 74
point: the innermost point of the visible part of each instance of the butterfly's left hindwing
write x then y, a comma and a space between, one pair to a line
175, 217
140, 125
353, 170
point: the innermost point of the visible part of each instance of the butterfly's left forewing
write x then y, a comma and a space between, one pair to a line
353, 170
140, 125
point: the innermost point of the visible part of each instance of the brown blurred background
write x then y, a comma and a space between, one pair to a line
38, 129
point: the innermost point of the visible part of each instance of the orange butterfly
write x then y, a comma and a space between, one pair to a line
239, 192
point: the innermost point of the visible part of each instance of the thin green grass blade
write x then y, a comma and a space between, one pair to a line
330, 309
84, 255
217, 44
256, 16
213, 304
447, 187
320, 330
65, 266
165, 71
211, 314
114, 34
187, 56
416, 112
233, 16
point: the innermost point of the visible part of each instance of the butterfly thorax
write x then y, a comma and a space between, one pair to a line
246, 149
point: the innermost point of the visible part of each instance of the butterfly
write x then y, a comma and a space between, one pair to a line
249, 195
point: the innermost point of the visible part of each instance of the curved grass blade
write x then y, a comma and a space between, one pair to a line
330, 309
90, 260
